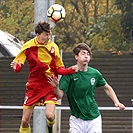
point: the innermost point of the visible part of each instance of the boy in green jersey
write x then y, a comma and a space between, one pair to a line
79, 87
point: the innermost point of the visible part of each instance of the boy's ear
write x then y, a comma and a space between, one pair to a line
37, 34
76, 57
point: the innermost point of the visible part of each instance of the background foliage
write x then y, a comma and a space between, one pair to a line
105, 25
17, 17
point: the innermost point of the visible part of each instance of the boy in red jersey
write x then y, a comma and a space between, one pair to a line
44, 60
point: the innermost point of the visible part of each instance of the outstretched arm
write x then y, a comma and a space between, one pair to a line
55, 83
67, 71
110, 92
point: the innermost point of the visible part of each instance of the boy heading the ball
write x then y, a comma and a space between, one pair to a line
44, 60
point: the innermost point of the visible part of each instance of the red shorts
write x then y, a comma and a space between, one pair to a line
39, 93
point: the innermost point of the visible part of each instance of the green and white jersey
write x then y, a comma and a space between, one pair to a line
80, 88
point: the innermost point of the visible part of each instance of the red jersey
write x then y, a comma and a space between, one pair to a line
43, 60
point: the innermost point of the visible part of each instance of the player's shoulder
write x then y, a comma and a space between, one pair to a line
29, 42
92, 69
53, 44
68, 77
26, 45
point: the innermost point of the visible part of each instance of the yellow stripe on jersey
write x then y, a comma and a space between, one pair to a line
44, 52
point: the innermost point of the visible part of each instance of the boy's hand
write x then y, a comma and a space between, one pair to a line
53, 81
14, 64
120, 105
75, 67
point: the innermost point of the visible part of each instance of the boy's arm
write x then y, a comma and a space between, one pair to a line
17, 66
58, 92
110, 92
18, 63
55, 83
67, 71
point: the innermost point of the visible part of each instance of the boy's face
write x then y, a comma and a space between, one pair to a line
83, 57
43, 37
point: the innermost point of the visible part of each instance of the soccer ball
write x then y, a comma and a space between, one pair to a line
56, 13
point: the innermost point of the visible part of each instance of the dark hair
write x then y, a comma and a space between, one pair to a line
82, 46
42, 27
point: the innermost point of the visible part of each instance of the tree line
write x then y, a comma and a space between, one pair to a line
105, 25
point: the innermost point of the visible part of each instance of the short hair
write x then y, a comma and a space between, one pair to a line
82, 46
42, 27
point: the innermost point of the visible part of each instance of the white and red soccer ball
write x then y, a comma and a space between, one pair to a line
56, 13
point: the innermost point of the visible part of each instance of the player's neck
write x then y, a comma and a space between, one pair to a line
39, 41
83, 67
